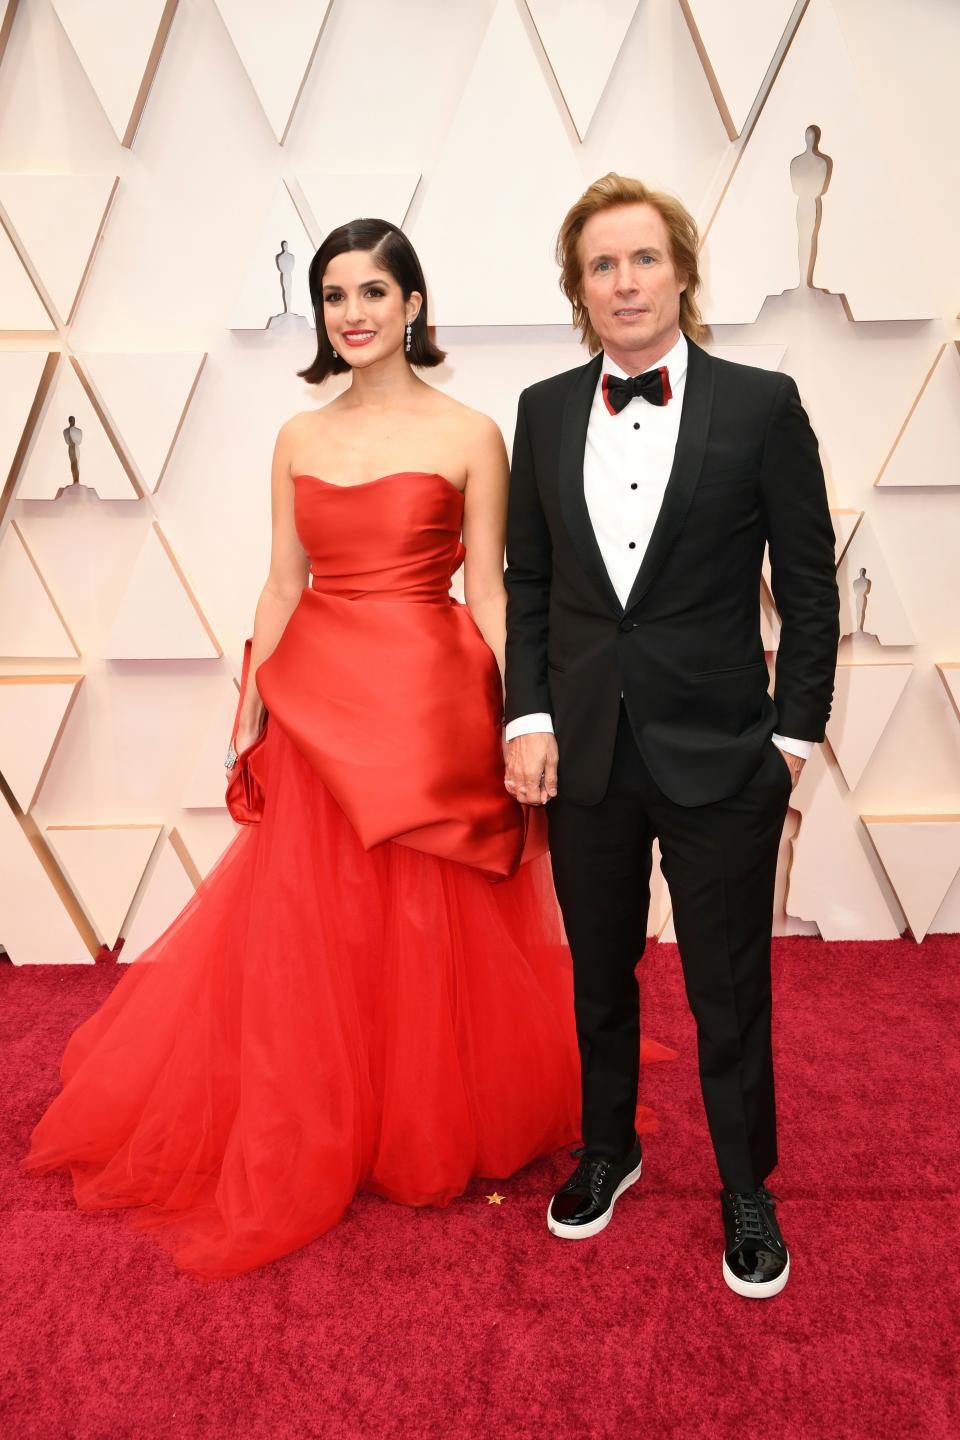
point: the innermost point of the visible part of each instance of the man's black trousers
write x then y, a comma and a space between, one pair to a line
720, 863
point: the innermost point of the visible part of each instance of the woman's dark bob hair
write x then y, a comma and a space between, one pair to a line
396, 257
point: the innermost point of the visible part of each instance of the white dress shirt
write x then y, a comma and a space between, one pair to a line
638, 442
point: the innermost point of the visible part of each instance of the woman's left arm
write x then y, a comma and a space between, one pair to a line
484, 533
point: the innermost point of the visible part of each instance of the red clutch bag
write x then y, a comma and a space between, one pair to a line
245, 788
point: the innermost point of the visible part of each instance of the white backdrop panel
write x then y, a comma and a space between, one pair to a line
464, 97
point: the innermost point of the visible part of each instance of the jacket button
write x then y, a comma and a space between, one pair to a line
626, 625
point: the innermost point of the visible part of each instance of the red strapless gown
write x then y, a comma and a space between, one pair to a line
368, 989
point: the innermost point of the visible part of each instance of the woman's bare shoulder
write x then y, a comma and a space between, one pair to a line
304, 428
474, 427
304, 420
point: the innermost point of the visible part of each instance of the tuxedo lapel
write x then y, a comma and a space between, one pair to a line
573, 504
685, 472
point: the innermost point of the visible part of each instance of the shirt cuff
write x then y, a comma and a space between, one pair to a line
803, 748
528, 725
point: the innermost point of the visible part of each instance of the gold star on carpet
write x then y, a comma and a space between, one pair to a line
494, 1199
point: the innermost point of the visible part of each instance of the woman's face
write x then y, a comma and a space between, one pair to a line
363, 308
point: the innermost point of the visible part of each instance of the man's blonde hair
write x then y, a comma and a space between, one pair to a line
605, 194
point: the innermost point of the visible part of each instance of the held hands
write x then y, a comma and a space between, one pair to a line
531, 768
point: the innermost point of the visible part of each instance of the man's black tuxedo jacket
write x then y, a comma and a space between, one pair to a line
686, 651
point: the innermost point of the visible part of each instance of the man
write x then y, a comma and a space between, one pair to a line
637, 697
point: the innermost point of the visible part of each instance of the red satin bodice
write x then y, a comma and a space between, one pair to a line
384, 682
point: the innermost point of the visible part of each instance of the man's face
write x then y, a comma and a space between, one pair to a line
630, 287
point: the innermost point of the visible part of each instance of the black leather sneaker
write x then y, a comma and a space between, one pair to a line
755, 1261
584, 1205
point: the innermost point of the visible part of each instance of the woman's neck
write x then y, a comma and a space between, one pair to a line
387, 383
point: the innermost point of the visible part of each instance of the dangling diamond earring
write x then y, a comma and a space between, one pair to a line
409, 345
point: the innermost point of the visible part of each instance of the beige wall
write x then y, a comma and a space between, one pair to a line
477, 123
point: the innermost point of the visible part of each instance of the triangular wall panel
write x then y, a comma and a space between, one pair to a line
31, 624
845, 523
832, 881
21, 372
582, 39
921, 857
104, 864
207, 781
35, 928
736, 42
506, 153
276, 45
146, 397
47, 467
159, 618
206, 834
949, 673
333, 199
84, 548
33, 713
8, 8
260, 298
927, 449
751, 245
20, 306
883, 614
119, 45
864, 698
57, 220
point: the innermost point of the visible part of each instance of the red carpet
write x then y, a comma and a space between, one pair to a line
473, 1321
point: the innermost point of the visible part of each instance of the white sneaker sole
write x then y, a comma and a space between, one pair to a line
593, 1227
756, 1290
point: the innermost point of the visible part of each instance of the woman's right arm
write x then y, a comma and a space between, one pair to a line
289, 568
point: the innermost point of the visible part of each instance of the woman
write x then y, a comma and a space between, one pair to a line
369, 988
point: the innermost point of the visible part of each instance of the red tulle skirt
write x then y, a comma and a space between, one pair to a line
319, 1019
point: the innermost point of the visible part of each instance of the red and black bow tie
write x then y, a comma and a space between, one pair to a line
653, 385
